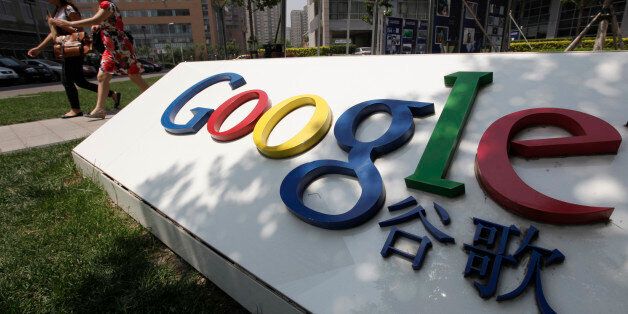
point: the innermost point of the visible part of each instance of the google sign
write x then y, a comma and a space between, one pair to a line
442, 177
589, 135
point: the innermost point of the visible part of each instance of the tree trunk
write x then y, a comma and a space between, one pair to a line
616, 29
600, 39
576, 41
221, 13
252, 30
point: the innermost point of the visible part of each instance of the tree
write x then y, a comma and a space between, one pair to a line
605, 16
386, 5
200, 51
220, 5
143, 51
371, 16
251, 7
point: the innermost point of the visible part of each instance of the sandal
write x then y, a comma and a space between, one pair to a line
100, 114
65, 116
116, 103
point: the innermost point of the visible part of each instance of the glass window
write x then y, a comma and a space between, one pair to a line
534, 17
568, 20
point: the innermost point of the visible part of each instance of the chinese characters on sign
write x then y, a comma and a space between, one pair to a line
486, 256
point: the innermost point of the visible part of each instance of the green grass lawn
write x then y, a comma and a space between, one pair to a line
54, 104
65, 247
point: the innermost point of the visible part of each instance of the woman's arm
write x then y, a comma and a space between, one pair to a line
34, 52
45, 42
100, 16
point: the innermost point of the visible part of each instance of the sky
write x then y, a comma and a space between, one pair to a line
294, 5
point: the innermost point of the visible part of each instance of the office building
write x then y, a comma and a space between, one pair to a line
23, 26
265, 24
298, 19
557, 19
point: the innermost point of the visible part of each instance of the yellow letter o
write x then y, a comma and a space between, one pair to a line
313, 132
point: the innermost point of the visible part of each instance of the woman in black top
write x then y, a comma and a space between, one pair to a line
72, 67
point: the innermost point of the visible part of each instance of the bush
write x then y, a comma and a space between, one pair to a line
557, 44
312, 51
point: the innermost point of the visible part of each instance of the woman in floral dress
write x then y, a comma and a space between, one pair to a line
119, 55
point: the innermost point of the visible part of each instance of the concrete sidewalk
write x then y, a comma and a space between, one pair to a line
46, 132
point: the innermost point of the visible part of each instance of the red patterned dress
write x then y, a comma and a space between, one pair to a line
119, 55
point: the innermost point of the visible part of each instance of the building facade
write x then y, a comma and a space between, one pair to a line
235, 26
23, 26
556, 19
298, 18
159, 24
327, 19
265, 24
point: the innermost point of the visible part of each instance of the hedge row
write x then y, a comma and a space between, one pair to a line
312, 51
557, 44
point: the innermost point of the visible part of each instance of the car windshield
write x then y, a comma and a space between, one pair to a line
9, 62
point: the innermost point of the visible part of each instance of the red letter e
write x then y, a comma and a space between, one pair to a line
590, 135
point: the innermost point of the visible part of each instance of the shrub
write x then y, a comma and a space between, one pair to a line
312, 51
557, 44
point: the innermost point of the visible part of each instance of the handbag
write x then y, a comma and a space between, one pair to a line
73, 45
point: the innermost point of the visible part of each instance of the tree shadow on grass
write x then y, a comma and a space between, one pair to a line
138, 273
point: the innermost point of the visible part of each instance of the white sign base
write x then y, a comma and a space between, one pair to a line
217, 205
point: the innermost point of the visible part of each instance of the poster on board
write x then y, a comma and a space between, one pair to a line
408, 36
392, 35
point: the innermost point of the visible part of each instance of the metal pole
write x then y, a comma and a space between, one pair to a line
348, 25
521, 31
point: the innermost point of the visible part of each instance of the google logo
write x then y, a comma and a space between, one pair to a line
260, 121
590, 135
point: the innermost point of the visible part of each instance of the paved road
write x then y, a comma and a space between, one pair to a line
16, 90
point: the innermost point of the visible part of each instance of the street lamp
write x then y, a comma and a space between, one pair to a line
171, 47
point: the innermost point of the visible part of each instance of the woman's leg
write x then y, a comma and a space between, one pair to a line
139, 81
81, 82
103, 90
68, 78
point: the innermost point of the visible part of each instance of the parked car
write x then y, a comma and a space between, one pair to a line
89, 71
148, 67
25, 72
157, 66
8, 76
53, 66
152, 66
362, 51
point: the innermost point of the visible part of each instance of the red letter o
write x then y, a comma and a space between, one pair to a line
246, 126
